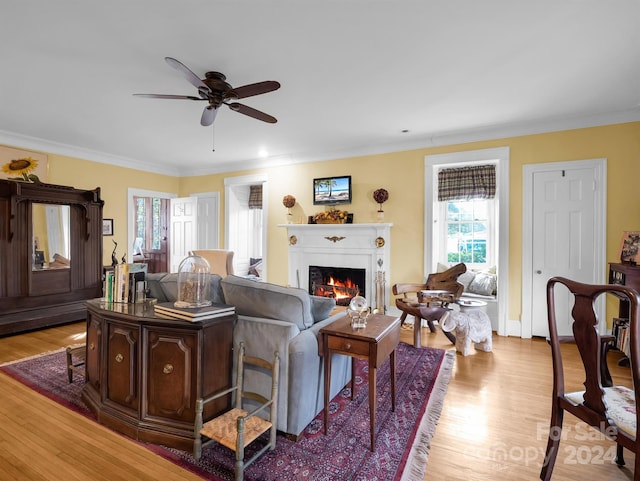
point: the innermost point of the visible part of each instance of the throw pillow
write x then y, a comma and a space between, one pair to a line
442, 267
484, 284
255, 267
466, 279
321, 307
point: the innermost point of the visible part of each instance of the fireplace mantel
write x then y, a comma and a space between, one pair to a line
365, 246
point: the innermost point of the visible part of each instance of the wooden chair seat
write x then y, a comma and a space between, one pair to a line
410, 302
621, 406
223, 429
237, 428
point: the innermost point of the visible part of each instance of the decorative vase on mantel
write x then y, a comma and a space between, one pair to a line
380, 196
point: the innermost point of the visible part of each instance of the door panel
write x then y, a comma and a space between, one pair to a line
184, 213
563, 241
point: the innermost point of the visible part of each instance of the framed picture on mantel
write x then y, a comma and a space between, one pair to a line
630, 247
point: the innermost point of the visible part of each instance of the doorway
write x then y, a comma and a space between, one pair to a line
245, 224
147, 228
564, 234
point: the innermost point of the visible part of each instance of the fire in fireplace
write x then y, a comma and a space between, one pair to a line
340, 283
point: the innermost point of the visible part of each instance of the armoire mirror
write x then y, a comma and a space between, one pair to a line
51, 236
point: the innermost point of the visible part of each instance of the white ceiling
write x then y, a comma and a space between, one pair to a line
354, 75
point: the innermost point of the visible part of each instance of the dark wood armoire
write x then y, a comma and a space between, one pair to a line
45, 280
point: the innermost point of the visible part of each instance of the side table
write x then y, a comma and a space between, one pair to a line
377, 341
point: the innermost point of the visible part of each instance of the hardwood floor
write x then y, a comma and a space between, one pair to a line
493, 426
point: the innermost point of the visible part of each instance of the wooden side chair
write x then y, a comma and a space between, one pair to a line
76, 357
237, 428
412, 303
612, 410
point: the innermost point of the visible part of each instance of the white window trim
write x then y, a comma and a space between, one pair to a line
501, 155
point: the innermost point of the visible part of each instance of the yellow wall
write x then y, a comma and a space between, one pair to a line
114, 183
402, 174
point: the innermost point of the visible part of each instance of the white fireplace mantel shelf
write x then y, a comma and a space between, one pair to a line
360, 246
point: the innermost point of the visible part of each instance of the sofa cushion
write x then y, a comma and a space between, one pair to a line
155, 288
164, 287
321, 307
262, 299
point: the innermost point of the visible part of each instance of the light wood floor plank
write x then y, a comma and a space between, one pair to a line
493, 424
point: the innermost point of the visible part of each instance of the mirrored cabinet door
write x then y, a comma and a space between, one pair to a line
51, 236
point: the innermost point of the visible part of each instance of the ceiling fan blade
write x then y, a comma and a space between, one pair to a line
208, 115
188, 74
251, 112
163, 96
253, 89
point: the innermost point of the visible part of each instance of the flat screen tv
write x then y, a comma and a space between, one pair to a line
332, 190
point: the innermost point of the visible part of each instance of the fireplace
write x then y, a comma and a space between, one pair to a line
339, 283
362, 247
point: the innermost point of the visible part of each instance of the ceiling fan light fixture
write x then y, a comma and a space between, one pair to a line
215, 90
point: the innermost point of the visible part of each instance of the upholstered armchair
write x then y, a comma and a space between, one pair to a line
220, 260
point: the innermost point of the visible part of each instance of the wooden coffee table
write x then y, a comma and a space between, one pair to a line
374, 343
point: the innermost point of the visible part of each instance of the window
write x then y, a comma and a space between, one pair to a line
465, 199
468, 232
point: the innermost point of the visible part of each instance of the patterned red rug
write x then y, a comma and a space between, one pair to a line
402, 438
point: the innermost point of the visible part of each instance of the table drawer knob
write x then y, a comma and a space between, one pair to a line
167, 369
347, 346
119, 357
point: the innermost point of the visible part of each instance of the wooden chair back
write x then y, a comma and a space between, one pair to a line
239, 427
440, 281
589, 405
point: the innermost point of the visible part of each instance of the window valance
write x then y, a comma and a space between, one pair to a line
466, 183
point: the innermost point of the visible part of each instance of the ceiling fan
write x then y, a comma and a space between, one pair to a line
215, 90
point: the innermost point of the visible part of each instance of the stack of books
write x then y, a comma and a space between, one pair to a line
125, 283
167, 310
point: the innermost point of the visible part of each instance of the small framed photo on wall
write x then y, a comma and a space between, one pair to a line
107, 226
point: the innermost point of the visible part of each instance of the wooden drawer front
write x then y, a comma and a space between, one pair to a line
348, 346
171, 375
122, 366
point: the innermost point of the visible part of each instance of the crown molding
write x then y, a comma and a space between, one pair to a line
418, 141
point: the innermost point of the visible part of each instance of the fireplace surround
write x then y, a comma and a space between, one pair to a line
356, 246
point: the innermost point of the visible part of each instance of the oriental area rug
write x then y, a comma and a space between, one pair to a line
402, 437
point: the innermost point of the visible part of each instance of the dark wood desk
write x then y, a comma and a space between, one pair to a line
374, 343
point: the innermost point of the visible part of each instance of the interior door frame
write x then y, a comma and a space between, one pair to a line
500, 157
600, 222
229, 184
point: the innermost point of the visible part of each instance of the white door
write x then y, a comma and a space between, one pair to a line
564, 237
208, 220
183, 231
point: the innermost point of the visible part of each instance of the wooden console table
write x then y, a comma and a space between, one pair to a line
377, 341
144, 374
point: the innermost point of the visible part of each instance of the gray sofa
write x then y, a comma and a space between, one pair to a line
276, 318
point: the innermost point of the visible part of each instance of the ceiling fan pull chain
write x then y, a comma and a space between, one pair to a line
213, 138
